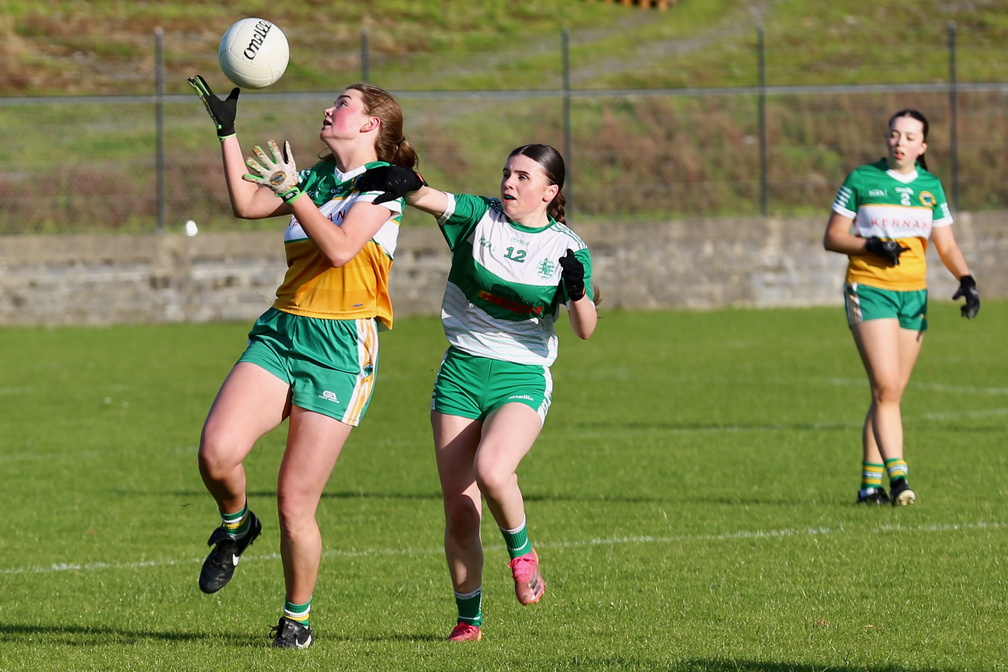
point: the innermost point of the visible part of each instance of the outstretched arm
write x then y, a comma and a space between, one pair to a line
430, 200
399, 182
248, 201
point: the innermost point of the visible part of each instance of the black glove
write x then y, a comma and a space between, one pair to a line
889, 250
967, 288
394, 181
221, 111
572, 274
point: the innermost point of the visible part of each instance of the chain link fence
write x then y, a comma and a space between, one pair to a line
143, 163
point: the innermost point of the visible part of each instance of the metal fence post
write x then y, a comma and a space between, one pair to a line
162, 204
764, 178
365, 57
568, 149
953, 113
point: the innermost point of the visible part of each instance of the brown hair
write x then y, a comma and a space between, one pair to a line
391, 145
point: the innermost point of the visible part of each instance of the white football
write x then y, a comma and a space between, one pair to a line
254, 53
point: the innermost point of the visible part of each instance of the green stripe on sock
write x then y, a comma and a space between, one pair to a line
896, 469
237, 524
871, 475
298, 612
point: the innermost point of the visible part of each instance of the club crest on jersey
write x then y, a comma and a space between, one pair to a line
547, 268
927, 198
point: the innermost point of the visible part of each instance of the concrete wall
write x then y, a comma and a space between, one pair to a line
696, 264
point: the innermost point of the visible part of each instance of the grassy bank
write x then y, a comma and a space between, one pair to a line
87, 166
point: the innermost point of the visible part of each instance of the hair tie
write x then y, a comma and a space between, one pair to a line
400, 141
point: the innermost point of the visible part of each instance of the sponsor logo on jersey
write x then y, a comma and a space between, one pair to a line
909, 224
513, 306
880, 193
337, 217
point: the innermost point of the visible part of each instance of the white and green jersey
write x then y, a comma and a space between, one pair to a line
894, 206
504, 290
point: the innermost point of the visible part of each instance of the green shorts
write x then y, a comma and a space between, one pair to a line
871, 303
472, 387
331, 365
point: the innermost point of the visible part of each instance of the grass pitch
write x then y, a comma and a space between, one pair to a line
691, 497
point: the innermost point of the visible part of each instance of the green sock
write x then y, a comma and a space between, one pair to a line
298, 612
897, 469
517, 541
470, 607
871, 475
237, 524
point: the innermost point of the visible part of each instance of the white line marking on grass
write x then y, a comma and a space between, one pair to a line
965, 414
962, 389
17, 390
934, 387
88, 454
777, 534
612, 541
98, 566
79, 454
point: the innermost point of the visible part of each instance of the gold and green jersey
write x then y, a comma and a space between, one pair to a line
313, 287
892, 206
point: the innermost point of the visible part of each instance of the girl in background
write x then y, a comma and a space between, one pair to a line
883, 218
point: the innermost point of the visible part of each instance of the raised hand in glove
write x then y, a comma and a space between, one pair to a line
967, 288
572, 276
275, 170
889, 250
394, 181
221, 111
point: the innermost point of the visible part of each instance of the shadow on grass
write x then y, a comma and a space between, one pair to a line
650, 425
673, 427
599, 498
271, 494
404, 639
436, 497
735, 665
78, 635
